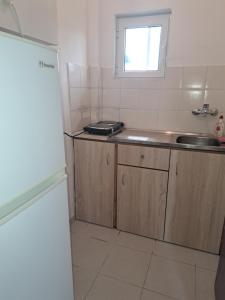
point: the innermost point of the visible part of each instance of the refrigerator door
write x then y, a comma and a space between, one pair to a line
31, 133
35, 256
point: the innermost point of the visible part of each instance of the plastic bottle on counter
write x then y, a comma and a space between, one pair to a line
220, 127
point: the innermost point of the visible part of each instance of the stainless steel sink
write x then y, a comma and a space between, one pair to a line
198, 141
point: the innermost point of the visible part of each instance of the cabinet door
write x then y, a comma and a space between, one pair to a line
196, 200
94, 177
141, 201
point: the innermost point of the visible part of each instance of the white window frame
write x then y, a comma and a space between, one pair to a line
123, 22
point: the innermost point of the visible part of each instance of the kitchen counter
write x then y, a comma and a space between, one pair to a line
152, 186
166, 139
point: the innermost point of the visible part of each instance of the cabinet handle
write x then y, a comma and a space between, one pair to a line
142, 157
108, 159
176, 169
123, 179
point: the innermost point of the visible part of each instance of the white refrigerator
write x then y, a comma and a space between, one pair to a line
35, 250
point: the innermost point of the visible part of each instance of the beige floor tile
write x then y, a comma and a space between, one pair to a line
148, 295
205, 281
127, 265
83, 280
171, 278
102, 233
175, 252
136, 242
78, 226
82, 229
186, 255
111, 289
89, 253
207, 261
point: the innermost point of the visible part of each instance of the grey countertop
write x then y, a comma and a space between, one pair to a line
166, 139
162, 139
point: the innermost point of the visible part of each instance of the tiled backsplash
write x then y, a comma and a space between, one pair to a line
146, 103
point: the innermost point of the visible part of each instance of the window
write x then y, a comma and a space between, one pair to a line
141, 44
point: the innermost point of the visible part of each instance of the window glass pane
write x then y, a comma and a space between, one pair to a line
142, 48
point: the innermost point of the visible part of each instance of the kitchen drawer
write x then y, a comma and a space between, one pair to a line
146, 157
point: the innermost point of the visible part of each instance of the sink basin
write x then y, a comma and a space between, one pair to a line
198, 141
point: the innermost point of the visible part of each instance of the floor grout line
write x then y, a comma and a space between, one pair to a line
114, 243
159, 293
146, 275
153, 253
97, 275
134, 249
183, 262
121, 280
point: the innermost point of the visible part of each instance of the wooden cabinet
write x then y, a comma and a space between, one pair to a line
141, 201
196, 200
133, 192
95, 181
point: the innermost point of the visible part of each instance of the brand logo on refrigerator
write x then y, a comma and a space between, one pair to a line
43, 65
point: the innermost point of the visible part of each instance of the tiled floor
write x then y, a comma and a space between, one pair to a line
113, 265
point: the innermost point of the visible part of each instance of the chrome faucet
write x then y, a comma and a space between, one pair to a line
205, 111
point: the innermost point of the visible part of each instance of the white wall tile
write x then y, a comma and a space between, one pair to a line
95, 116
164, 103
149, 99
216, 77
216, 99
139, 119
85, 77
110, 114
76, 120
79, 98
170, 100
95, 77
192, 99
129, 98
109, 80
74, 74
151, 83
194, 77
173, 78
130, 83
86, 114
111, 98
80, 119
94, 98
182, 121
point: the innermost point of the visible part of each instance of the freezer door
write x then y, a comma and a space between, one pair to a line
35, 255
31, 131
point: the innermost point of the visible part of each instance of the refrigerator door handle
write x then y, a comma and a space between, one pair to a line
21, 202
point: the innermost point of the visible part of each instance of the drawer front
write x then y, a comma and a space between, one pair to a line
146, 157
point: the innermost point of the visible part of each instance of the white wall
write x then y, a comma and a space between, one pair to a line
196, 46
72, 35
38, 18
196, 31
195, 66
